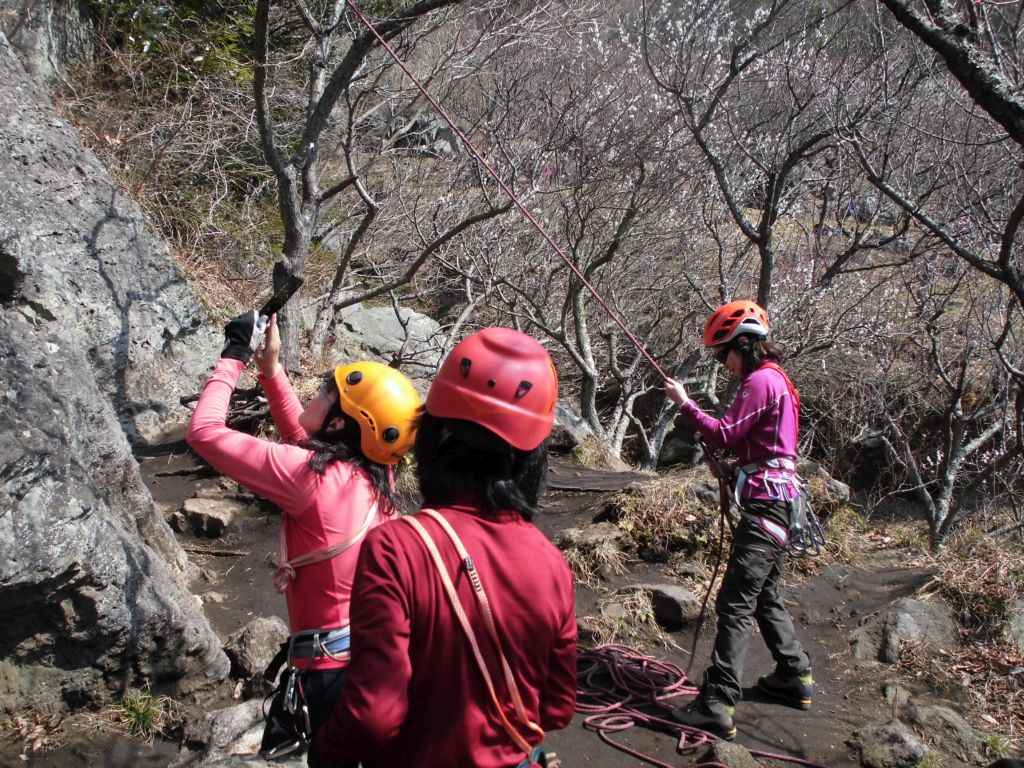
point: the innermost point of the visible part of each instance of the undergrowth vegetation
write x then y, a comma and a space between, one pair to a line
662, 517
141, 714
626, 618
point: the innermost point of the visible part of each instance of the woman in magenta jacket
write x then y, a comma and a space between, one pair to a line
332, 476
760, 427
415, 695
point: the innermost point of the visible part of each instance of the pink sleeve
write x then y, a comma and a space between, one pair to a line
276, 472
727, 432
373, 707
558, 699
285, 407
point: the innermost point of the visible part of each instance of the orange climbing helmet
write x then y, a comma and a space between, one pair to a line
735, 318
502, 380
384, 403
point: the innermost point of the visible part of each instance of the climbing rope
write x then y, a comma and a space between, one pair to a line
617, 688
506, 189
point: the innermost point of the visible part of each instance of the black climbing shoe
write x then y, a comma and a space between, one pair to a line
707, 713
793, 690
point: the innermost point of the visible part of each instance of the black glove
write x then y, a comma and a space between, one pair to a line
243, 335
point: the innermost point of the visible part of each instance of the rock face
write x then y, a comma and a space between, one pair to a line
415, 340
88, 601
76, 253
51, 35
98, 331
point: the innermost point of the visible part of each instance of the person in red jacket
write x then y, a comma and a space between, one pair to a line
333, 479
415, 694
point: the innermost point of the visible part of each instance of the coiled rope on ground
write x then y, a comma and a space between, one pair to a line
618, 688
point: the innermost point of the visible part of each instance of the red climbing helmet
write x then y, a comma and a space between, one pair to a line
500, 379
732, 319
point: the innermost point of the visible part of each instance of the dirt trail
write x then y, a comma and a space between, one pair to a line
236, 588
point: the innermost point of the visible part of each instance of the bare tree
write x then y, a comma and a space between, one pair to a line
305, 143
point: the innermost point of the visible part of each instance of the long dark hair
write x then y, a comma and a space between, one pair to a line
453, 455
755, 350
330, 445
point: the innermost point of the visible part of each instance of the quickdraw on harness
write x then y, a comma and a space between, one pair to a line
288, 720
521, 714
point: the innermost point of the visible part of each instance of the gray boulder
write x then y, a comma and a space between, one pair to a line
888, 745
78, 255
88, 578
905, 621
674, 607
253, 647
228, 737
570, 429
945, 729
732, 755
414, 341
51, 35
98, 333
211, 517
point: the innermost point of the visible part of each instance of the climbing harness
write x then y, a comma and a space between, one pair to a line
485, 610
288, 723
286, 568
617, 688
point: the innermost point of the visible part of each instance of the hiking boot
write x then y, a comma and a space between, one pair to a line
707, 713
793, 690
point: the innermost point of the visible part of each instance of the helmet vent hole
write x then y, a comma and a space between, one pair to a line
464, 367
391, 434
354, 378
491, 383
369, 421
523, 388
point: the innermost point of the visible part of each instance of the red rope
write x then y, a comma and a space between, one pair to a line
618, 687
505, 188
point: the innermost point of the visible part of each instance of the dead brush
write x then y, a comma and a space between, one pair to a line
628, 619
987, 673
979, 579
663, 517
590, 565
591, 453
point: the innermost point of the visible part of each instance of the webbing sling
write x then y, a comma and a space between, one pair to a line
285, 571
492, 630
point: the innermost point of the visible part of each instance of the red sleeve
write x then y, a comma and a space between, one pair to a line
558, 699
285, 407
375, 699
276, 472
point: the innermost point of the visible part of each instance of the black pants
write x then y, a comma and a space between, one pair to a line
750, 590
321, 689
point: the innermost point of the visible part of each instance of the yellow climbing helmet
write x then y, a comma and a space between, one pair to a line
384, 403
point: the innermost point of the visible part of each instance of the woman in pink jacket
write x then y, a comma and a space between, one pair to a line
760, 427
333, 477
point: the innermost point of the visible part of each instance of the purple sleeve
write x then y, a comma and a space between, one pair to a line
276, 472
729, 431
